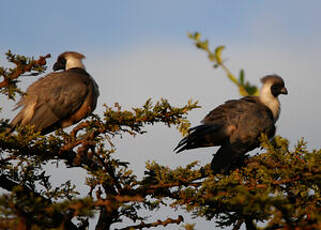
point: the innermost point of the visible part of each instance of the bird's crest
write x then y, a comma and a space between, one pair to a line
72, 54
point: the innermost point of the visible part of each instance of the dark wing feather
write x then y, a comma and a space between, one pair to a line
243, 120
199, 136
236, 122
57, 96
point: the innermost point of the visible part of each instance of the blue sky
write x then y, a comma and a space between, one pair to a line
35, 26
139, 49
111, 25
114, 24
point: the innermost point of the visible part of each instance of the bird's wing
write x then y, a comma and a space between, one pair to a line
243, 120
58, 95
237, 122
215, 129
200, 136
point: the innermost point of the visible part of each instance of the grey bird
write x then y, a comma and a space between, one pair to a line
237, 125
59, 99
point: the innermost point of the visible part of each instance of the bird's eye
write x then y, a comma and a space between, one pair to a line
62, 60
275, 89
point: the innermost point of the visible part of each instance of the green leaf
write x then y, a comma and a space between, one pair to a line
218, 54
197, 36
241, 78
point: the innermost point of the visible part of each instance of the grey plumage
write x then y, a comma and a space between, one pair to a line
237, 125
59, 99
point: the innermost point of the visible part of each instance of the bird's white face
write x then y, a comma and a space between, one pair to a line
269, 100
73, 62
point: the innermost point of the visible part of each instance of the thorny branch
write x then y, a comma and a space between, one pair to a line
164, 223
57, 218
21, 69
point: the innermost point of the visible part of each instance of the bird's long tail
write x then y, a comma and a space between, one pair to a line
199, 136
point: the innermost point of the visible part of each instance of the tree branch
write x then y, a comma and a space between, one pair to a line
26, 68
57, 218
164, 223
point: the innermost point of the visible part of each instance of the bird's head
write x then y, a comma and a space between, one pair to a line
68, 60
274, 85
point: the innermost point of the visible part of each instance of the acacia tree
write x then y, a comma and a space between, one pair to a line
279, 188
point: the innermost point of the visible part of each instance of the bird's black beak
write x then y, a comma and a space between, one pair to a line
284, 91
58, 66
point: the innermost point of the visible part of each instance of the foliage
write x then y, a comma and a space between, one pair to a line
22, 65
115, 192
279, 188
245, 88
